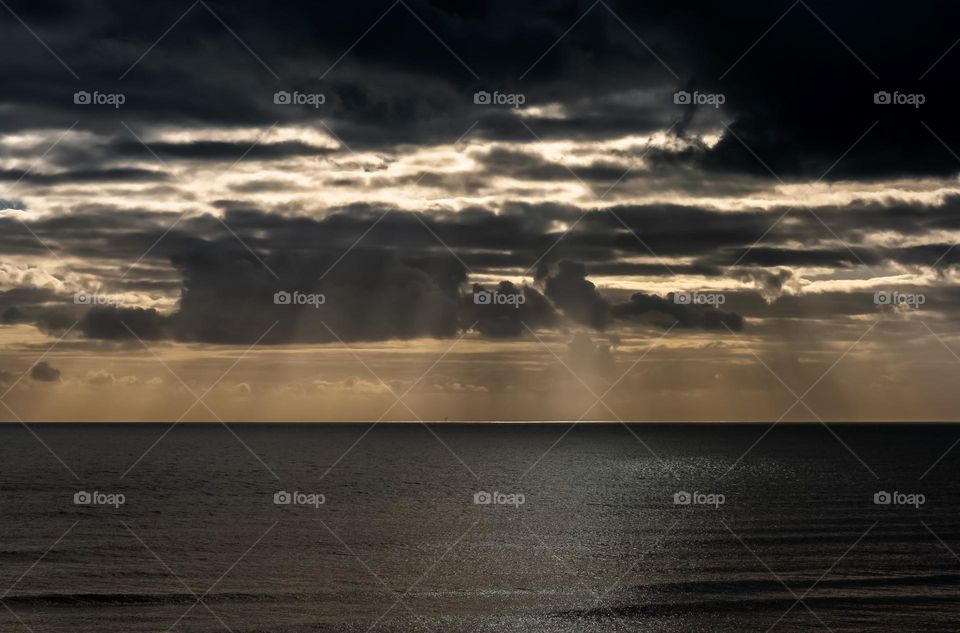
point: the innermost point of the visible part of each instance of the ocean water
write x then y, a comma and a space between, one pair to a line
583, 536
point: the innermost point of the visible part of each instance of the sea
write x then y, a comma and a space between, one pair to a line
287, 528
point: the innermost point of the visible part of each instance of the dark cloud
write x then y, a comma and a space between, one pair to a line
401, 282
576, 296
44, 372
369, 295
214, 150
80, 176
230, 296
799, 98
264, 186
580, 300
113, 323
508, 310
770, 283
667, 312
48, 310
510, 239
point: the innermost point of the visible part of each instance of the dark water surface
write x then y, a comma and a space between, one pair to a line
399, 545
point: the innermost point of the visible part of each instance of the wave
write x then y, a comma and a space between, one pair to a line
848, 604
741, 596
748, 585
124, 599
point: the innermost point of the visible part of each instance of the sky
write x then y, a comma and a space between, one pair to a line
416, 211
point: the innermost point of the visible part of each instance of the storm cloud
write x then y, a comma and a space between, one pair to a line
45, 372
